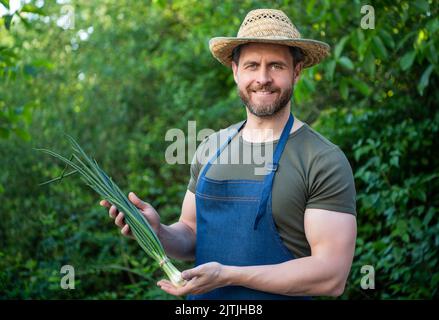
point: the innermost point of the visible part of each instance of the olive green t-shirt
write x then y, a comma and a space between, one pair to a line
312, 173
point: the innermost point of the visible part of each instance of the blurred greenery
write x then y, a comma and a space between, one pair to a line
124, 72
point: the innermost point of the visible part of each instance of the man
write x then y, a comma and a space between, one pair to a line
286, 234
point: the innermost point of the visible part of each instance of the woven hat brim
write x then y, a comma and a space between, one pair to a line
314, 50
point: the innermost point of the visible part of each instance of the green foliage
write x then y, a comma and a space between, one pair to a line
128, 71
387, 122
14, 118
392, 152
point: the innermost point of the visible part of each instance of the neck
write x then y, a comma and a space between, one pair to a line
264, 129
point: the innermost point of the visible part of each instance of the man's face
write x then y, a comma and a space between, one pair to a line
265, 77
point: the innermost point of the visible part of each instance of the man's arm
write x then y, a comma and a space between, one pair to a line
331, 236
179, 239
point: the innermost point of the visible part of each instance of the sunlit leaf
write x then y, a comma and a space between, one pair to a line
361, 86
407, 60
32, 9
5, 3
330, 67
346, 62
339, 47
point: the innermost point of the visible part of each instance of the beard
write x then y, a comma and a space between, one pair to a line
265, 110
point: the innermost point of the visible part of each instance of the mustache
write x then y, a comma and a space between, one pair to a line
263, 88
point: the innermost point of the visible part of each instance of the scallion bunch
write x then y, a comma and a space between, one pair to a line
99, 181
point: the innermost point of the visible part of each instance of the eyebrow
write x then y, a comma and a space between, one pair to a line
271, 63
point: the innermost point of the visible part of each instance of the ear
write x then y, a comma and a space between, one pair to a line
235, 71
297, 71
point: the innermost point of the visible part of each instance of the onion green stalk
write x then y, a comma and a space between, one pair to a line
99, 181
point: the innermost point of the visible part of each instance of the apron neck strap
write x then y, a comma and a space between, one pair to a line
221, 148
271, 168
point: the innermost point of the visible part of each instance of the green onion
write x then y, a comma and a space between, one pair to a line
99, 181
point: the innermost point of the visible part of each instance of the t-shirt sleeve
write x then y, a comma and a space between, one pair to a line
331, 183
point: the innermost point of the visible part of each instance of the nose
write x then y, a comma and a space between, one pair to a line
263, 76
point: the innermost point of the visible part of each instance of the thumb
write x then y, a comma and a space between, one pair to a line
189, 274
137, 202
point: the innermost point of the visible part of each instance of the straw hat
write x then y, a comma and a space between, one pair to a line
268, 26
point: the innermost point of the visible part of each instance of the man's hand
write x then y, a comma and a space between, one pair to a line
201, 279
145, 208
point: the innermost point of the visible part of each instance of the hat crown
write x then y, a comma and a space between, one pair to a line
267, 23
268, 26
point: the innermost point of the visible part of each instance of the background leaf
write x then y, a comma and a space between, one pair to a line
407, 60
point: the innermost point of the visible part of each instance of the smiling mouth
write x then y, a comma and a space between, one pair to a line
262, 93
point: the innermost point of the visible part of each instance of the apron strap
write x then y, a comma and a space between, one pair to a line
271, 167
220, 149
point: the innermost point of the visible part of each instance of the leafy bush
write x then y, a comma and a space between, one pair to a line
129, 71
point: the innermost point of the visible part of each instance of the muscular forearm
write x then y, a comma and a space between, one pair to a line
178, 241
304, 276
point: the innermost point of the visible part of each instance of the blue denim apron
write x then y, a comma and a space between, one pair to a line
235, 224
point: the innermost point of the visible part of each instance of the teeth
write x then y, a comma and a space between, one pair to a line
263, 92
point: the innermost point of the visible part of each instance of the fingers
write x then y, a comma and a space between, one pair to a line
203, 269
113, 212
168, 287
119, 218
191, 273
137, 202
125, 230
191, 287
105, 203
119, 221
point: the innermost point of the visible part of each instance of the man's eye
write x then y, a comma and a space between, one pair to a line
277, 66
